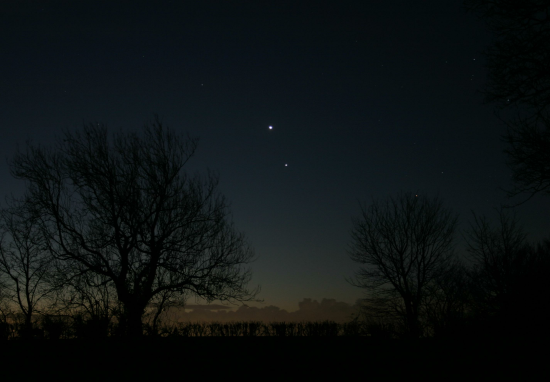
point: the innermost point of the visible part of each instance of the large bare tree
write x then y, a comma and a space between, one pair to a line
122, 206
403, 244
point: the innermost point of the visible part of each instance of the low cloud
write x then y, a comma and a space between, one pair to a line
309, 310
207, 307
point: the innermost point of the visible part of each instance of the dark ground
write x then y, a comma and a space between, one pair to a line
260, 358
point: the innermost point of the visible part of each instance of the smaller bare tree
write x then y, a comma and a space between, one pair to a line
24, 262
5, 311
404, 244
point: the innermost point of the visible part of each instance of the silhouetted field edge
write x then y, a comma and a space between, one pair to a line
154, 357
64, 328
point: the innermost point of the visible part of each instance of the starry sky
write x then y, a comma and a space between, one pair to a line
366, 99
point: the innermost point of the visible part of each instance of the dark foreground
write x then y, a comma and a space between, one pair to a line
341, 358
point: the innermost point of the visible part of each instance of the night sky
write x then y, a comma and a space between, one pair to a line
366, 99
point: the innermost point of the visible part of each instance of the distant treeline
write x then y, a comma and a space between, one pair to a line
67, 327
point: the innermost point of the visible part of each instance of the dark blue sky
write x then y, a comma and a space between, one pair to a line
367, 99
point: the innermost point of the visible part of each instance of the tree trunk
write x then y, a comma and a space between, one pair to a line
412, 320
27, 330
130, 323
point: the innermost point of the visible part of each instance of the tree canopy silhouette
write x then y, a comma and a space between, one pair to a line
404, 243
123, 207
519, 81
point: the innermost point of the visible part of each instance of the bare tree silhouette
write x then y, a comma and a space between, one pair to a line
5, 310
404, 244
519, 81
24, 261
123, 207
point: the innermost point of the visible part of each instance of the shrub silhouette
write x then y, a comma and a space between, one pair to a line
53, 328
91, 327
5, 331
